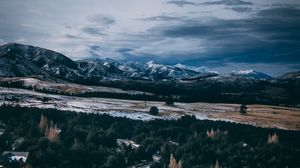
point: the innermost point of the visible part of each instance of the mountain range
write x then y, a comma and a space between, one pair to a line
24, 60
187, 83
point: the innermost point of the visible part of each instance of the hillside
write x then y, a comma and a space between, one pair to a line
183, 83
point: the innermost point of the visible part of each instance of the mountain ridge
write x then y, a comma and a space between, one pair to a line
24, 60
189, 84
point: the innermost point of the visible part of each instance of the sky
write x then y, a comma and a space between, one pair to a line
223, 35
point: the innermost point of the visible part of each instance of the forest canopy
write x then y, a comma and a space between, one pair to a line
68, 139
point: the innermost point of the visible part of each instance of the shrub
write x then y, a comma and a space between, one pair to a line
154, 110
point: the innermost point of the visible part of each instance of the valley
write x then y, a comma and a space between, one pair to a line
88, 108
150, 84
257, 115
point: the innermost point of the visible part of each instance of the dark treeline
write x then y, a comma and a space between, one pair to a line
128, 96
284, 93
259, 92
89, 140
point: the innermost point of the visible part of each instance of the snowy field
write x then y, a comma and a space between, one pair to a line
258, 115
70, 88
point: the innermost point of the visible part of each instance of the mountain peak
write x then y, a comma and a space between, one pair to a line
250, 73
151, 63
245, 72
23, 60
291, 76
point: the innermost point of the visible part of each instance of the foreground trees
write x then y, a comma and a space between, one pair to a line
89, 140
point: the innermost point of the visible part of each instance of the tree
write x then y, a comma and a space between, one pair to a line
154, 110
43, 122
52, 133
217, 165
145, 99
173, 163
273, 139
243, 109
169, 101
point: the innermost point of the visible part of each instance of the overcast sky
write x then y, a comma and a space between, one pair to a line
223, 35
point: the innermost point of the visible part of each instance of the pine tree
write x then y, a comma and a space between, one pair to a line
173, 163
211, 133
53, 133
43, 122
273, 139
217, 165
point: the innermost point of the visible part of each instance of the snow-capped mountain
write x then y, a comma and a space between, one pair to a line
23, 60
134, 70
159, 71
99, 69
291, 76
252, 74
194, 68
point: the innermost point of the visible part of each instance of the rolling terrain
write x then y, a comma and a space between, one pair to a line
258, 115
50, 70
37, 77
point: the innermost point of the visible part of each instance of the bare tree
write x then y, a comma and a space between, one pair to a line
243, 109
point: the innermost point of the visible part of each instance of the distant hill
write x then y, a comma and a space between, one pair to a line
190, 83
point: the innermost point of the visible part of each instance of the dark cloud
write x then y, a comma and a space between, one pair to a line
95, 47
181, 3
72, 36
284, 5
240, 9
100, 25
269, 36
94, 31
124, 50
192, 35
278, 13
100, 19
227, 2
163, 18
93, 50
220, 2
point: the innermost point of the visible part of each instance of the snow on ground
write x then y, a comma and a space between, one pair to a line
258, 115
70, 87
135, 115
116, 107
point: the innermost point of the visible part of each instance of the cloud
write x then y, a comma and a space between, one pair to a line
227, 2
262, 38
181, 3
163, 18
220, 2
94, 50
241, 9
98, 25
94, 31
101, 19
72, 36
207, 32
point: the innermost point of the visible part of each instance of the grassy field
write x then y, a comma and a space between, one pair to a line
258, 115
